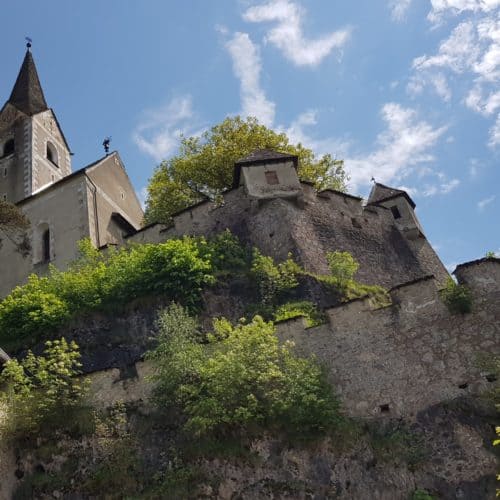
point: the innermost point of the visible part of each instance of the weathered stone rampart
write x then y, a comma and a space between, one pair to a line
397, 360
308, 226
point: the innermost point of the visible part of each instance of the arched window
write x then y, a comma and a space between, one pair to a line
52, 154
45, 245
8, 148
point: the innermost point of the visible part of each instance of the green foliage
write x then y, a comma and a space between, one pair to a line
273, 280
490, 254
178, 268
227, 254
342, 265
205, 165
302, 308
31, 308
422, 495
240, 379
40, 389
457, 298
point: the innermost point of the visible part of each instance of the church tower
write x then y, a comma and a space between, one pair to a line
33, 151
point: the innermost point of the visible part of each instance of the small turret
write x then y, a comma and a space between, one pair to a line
268, 174
401, 206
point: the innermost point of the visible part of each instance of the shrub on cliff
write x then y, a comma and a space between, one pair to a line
39, 389
457, 298
177, 269
240, 379
273, 280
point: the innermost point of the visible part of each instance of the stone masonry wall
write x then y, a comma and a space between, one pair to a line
308, 227
397, 360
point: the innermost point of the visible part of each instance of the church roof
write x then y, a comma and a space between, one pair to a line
261, 157
27, 94
380, 193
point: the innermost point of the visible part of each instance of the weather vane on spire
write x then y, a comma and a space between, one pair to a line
106, 143
28, 42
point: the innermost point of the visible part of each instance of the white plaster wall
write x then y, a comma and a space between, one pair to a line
254, 178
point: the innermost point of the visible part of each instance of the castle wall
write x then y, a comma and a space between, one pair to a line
397, 360
308, 227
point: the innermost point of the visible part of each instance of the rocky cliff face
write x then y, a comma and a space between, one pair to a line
424, 425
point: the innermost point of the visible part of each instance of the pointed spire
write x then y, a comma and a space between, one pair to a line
27, 94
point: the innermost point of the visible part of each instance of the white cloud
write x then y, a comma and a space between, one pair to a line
455, 7
495, 134
399, 9
481, 205
472, 50
288, 34
442, 188
403, 147
160, 130
143, 196
247, 68
297, 133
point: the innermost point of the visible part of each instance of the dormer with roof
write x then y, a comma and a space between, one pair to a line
33, 150
266, 173
401, 206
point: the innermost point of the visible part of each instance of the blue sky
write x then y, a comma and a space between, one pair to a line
406, 91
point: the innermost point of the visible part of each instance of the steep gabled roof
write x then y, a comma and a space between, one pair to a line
261, 157
27, 94
380, 193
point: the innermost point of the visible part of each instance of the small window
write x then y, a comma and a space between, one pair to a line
46, 245
5, 172
8, 148
52, 154
395, 212
272, 177
4, 197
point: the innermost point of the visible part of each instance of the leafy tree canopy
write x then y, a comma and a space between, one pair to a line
204, 165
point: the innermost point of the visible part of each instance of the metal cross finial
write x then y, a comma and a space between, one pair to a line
28, 42
106, 143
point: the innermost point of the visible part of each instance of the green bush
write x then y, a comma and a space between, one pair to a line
274, 280
240, 379
342, 266
177, 269
422, 495
302, 308
40, 389
227, 254
457, 298
31, 309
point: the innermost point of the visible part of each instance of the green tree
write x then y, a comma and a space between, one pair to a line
204, 165
40, 388
342, 265
240, 379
